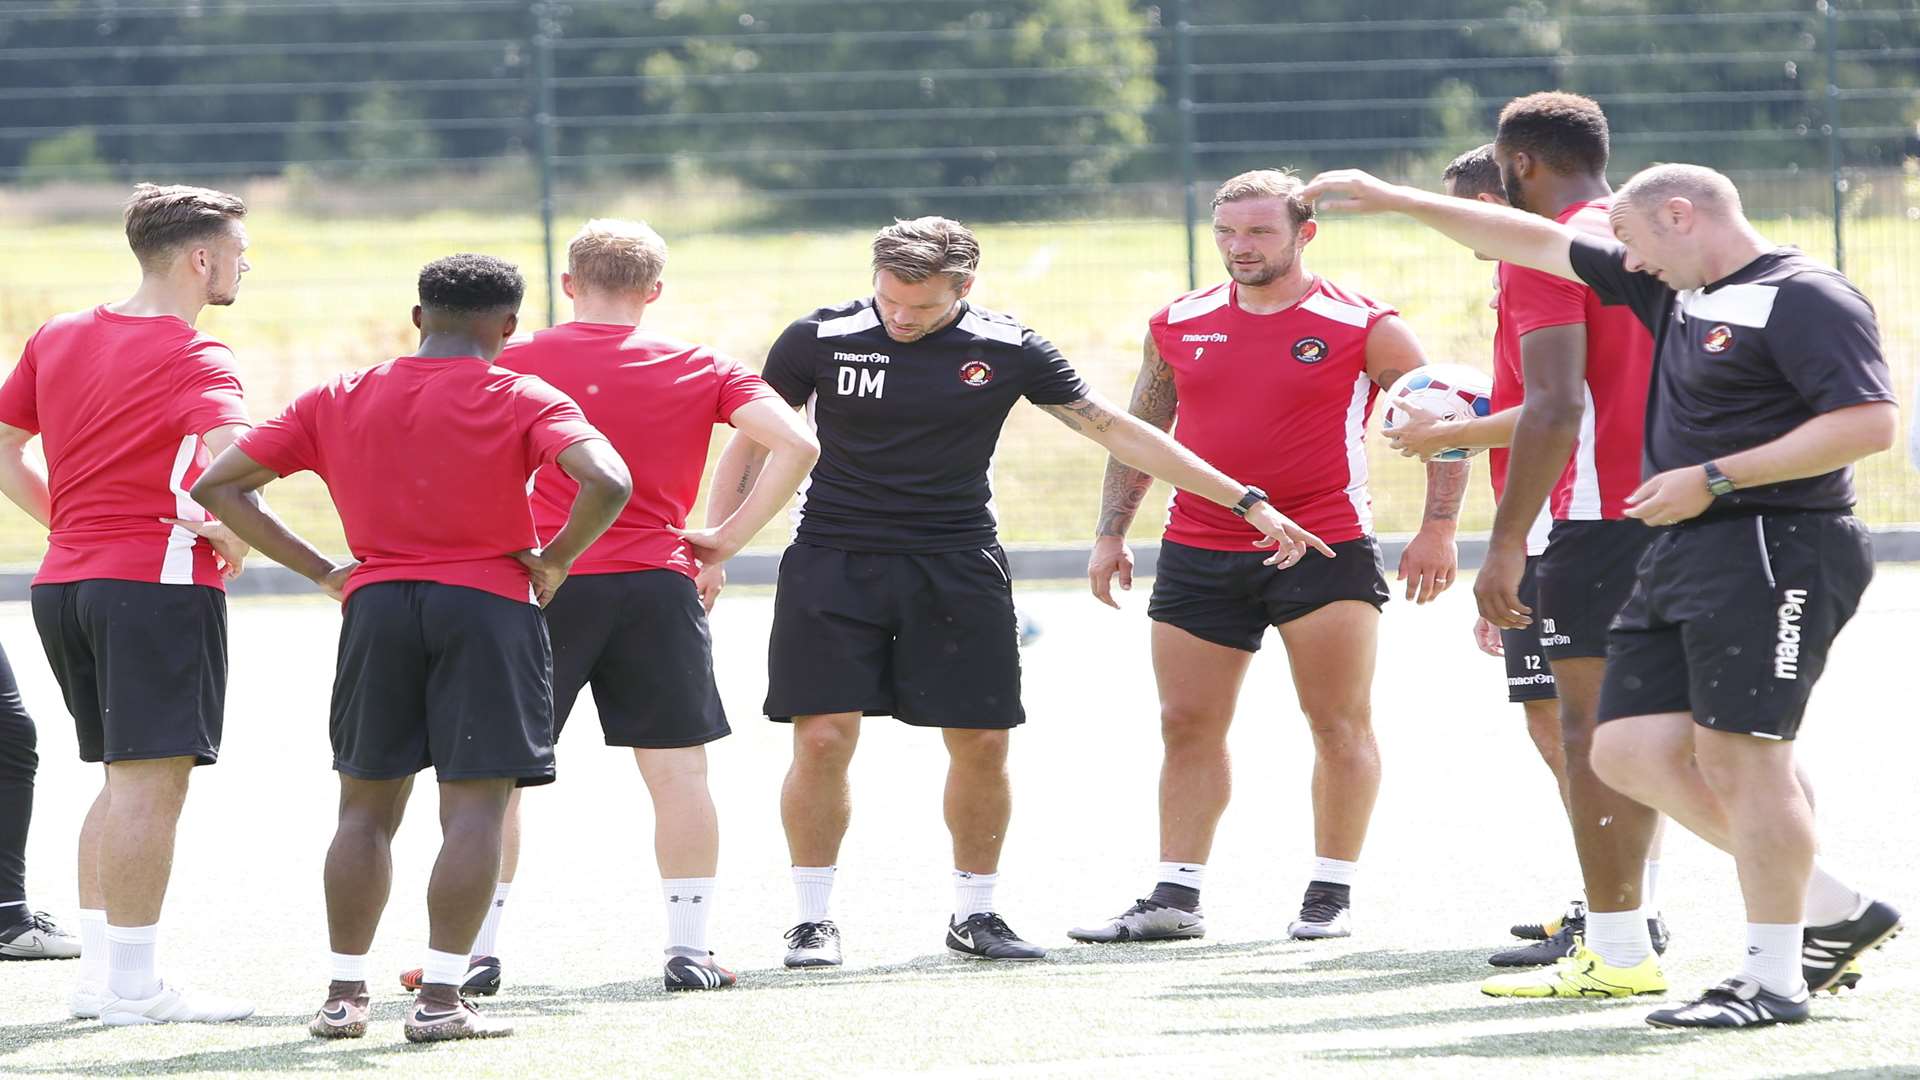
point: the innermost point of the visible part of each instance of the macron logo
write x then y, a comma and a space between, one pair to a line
1203, 337
1786, 652
863, 357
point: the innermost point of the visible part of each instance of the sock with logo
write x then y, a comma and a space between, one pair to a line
1179, 885
485, 943
972, 894
689, 899
1773, 957
443, 968
1829, 900
813, 887
93, 949
130, 961
1335, 871
1620, 938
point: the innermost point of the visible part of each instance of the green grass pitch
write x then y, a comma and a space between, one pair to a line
1468, 838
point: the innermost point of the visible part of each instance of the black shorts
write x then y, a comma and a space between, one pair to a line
1732, 620
1231, 597
142, 666
1529, 676
442, 675
1585, 577
640, 640
930, 639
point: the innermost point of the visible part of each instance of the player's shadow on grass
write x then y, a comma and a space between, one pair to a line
932, 967
1557, 1042
1341, 973
299, 1053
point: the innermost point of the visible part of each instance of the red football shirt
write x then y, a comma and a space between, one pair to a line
1279, 401
1607, 458
1509, 390
121, 404
428, 463
657, 400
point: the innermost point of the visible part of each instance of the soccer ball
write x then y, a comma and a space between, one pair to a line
1449, 391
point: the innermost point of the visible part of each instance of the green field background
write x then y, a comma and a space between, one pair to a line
332, 294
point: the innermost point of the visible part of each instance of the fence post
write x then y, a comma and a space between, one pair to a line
544, 27
1838, 181
1183, 82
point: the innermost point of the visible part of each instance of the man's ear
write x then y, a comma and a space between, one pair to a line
416, 318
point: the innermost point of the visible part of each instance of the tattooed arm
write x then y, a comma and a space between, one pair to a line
1430, 560
1154, 401
1124, 486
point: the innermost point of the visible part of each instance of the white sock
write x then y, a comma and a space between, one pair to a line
483, 945
1652, 886
813, 885
93, 949
1619, 937
1773, 957
972, 894
1184, 874
444, 968
1334, 871
1829, 900
130, 952
350, 968
689, 899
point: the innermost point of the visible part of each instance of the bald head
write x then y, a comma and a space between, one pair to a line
1710, 192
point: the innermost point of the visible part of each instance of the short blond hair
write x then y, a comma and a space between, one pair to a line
1267, 184
160, 219
914, 251
616, 255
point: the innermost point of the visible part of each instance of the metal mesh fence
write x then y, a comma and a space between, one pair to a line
767, 139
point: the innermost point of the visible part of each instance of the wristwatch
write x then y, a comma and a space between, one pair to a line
1717, 482
1254, 497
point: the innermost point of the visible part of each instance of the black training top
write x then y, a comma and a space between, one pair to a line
908, 429
1745, 360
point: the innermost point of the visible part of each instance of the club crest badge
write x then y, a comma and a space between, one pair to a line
1718, 339
1310, 350
976, 373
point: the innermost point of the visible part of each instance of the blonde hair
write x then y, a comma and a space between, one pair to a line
161, 219
616, 255
1267, 184
914, 251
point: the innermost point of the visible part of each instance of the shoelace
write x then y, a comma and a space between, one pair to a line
993, 924
1143, 906
1320, 907
810, 935
43, 922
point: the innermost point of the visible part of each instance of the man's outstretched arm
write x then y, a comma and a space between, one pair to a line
1498, 232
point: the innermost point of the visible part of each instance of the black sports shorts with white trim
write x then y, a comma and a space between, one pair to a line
1733, 618
446, 676
142, 666
640, 640
1231, 597
1529, 676
1585, 577
930, 639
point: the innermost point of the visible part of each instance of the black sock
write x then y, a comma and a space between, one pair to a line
1341, 893
1176, 896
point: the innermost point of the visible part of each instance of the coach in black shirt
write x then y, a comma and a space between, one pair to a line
895, 598
1768, 384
